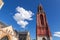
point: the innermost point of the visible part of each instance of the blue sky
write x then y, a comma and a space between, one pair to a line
51, 7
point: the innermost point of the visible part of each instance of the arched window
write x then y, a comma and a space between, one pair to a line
4, 38
42, 20
43, 39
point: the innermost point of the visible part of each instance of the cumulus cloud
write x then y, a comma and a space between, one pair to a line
23, 16
1, 4
57, 34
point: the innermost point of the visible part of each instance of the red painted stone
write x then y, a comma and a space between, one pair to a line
42, 25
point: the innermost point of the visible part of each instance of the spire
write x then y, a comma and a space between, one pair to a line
40, 8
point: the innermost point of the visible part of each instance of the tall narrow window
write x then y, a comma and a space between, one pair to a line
42, 20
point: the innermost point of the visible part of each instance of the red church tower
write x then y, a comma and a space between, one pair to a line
42, 31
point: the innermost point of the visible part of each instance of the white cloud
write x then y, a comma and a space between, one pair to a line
22, 16
57, 34
1, 4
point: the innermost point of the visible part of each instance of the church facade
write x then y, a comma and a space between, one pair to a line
7, 32
42, 28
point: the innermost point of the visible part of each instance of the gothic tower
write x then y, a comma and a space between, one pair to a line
42, 28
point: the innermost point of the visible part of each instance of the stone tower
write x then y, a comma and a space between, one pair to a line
42, 28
